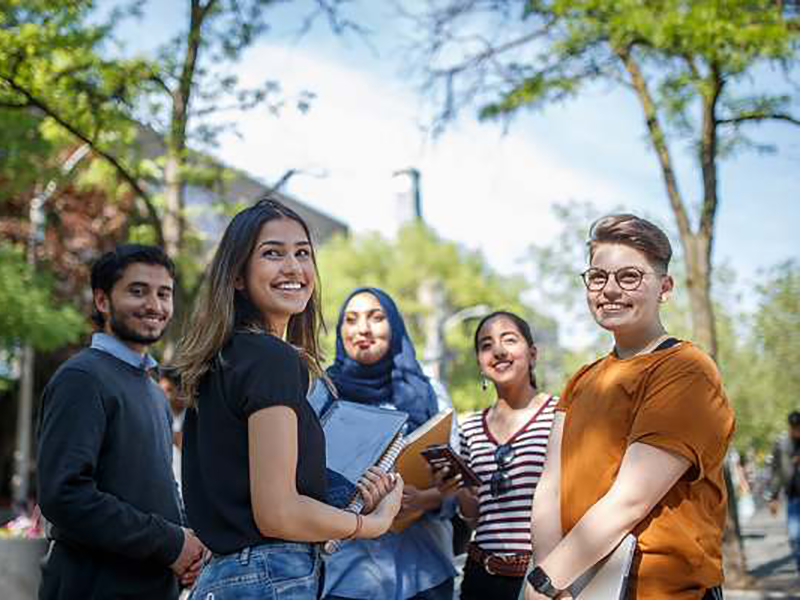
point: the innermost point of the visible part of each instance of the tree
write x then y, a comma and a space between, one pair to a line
415, 258
761, 386
55, 75
56, 62
688, 63
28, 313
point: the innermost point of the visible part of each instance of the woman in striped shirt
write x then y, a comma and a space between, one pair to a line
505, 445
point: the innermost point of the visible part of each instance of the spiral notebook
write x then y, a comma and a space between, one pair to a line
356, 437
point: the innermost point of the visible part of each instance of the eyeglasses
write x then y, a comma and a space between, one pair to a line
627, 278
500, 482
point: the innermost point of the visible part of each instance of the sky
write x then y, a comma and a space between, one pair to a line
486, 186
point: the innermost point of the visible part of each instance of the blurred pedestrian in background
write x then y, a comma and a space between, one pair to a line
785, 479
169, 383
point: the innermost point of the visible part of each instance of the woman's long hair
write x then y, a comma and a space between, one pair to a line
221, 308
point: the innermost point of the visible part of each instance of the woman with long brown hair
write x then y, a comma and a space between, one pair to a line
254, 451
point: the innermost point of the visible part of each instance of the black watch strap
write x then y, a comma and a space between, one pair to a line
542, 584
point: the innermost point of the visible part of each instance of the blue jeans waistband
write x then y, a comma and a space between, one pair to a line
271, 547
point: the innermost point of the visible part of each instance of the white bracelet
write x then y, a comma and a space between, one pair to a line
462, 516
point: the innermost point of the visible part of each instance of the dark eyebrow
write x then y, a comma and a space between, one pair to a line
369, 312
510, 332
147, 285
280, 243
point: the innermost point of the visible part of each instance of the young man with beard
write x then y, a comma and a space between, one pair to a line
105, 448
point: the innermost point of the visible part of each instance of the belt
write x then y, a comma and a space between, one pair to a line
506, 565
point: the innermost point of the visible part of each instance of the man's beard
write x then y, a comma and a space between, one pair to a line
126, 334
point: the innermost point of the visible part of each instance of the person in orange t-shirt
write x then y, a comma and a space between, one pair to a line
638, 441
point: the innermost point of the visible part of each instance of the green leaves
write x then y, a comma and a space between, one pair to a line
27, 311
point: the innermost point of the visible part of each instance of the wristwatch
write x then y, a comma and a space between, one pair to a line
542, 584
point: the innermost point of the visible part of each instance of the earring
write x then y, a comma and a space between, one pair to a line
484, 383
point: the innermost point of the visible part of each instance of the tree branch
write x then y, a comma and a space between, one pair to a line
759, 117
708, 155
491, 52
15, 105
158, 80
126, 175
658, 139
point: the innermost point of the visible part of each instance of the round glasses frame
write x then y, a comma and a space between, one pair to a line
596, 279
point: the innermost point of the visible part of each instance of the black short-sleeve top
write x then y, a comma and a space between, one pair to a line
253, 371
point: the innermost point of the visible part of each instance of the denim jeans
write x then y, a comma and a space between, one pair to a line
793, 523
272, 571
443, 591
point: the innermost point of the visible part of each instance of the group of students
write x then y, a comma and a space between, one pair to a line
635, 443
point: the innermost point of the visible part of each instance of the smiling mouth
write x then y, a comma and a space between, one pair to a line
612, 306
290, 286
503, 365
151, 320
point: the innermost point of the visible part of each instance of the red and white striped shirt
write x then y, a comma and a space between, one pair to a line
504, 521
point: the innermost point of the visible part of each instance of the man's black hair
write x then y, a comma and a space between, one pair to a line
794, 418
108, 269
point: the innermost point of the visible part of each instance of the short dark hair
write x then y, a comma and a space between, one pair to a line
794, 418
108, 269
633, 231
169, 373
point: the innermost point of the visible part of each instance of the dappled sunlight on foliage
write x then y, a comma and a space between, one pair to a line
28, 313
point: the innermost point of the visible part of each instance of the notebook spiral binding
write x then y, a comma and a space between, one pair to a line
385, 464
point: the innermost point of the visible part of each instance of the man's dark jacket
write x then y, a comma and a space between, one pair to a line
105, 483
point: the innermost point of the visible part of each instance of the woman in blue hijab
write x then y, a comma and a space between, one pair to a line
376, 364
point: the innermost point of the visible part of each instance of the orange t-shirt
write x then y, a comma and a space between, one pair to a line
671, 399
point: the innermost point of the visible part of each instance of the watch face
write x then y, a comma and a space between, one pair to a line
541, 582
538, 578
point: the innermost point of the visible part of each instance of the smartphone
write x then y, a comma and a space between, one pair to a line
443, 454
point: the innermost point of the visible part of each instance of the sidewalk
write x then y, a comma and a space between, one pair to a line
769, 561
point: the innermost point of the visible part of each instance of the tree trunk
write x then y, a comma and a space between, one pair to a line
697, 246
698, 286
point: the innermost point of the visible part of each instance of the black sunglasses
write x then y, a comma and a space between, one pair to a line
500, 483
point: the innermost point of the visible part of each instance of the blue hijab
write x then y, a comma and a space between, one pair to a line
396, 378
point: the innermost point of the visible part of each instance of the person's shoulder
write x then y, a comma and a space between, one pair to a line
690, 359
580, 374
84, 363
